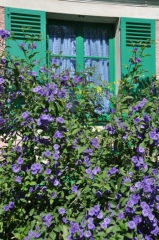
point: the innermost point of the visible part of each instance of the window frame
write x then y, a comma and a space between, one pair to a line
80, 48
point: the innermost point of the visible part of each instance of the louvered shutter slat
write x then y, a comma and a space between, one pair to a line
135, 31
34, 23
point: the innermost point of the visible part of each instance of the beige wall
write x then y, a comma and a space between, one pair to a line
1, 22
1, 27
84, 8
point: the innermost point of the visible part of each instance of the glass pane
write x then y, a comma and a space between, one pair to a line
65, 63
62, 40
95, 42
101, 70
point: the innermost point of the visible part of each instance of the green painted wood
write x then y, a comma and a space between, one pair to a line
15, 20
80, 48
134, 30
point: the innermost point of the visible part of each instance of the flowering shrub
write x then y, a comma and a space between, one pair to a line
61, 180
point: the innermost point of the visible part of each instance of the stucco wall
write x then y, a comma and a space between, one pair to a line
1, 27
157, 49
89, 8
1, 17
1, 22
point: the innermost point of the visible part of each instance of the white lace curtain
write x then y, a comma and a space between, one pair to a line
62, 41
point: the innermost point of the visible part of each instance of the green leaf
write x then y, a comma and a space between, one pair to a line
65, 232
52, 236
82, 149
57, 229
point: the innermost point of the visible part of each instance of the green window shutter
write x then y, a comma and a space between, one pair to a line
135, 30
16, 19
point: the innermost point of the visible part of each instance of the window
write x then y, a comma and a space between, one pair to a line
78, 45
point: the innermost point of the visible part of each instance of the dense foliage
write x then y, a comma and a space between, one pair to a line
59, 177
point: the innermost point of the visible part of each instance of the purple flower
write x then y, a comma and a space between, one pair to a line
103, 225
136, 120
137, 219
32, 45
138, 185
141, 150
53, 61
98, 194
90, 220
18, 149
145, 212
15, 168
154, 171
113, 110
94, 142
147, 188
131, 224
37, 89
69, 105
36, 168
56, 182
60, 120
112, 171
22, 45
143, 204
1, 80
42, 69
4, 34
58, 134
118, 196
47, 220
19, 161
48, 171
11, 205
74, 188
110, 129
33, 73
47, 153
31, 189
100, 215
6, 208
3, 60
56, 147
53, 195
87, 234
120, 215
56, 156
96, 208
61, 211
134, 159
134, 49
91, 226
74, 228
151, 217
64, 220
25, 115
107, 220
137, 59
18, 179
88, 170
91, 212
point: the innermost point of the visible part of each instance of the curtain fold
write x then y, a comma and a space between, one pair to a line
62, 41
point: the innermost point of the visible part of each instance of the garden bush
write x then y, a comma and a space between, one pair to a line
60, 179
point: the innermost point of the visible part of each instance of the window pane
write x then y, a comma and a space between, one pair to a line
66, 63
62, 40
95, 42
101, 72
